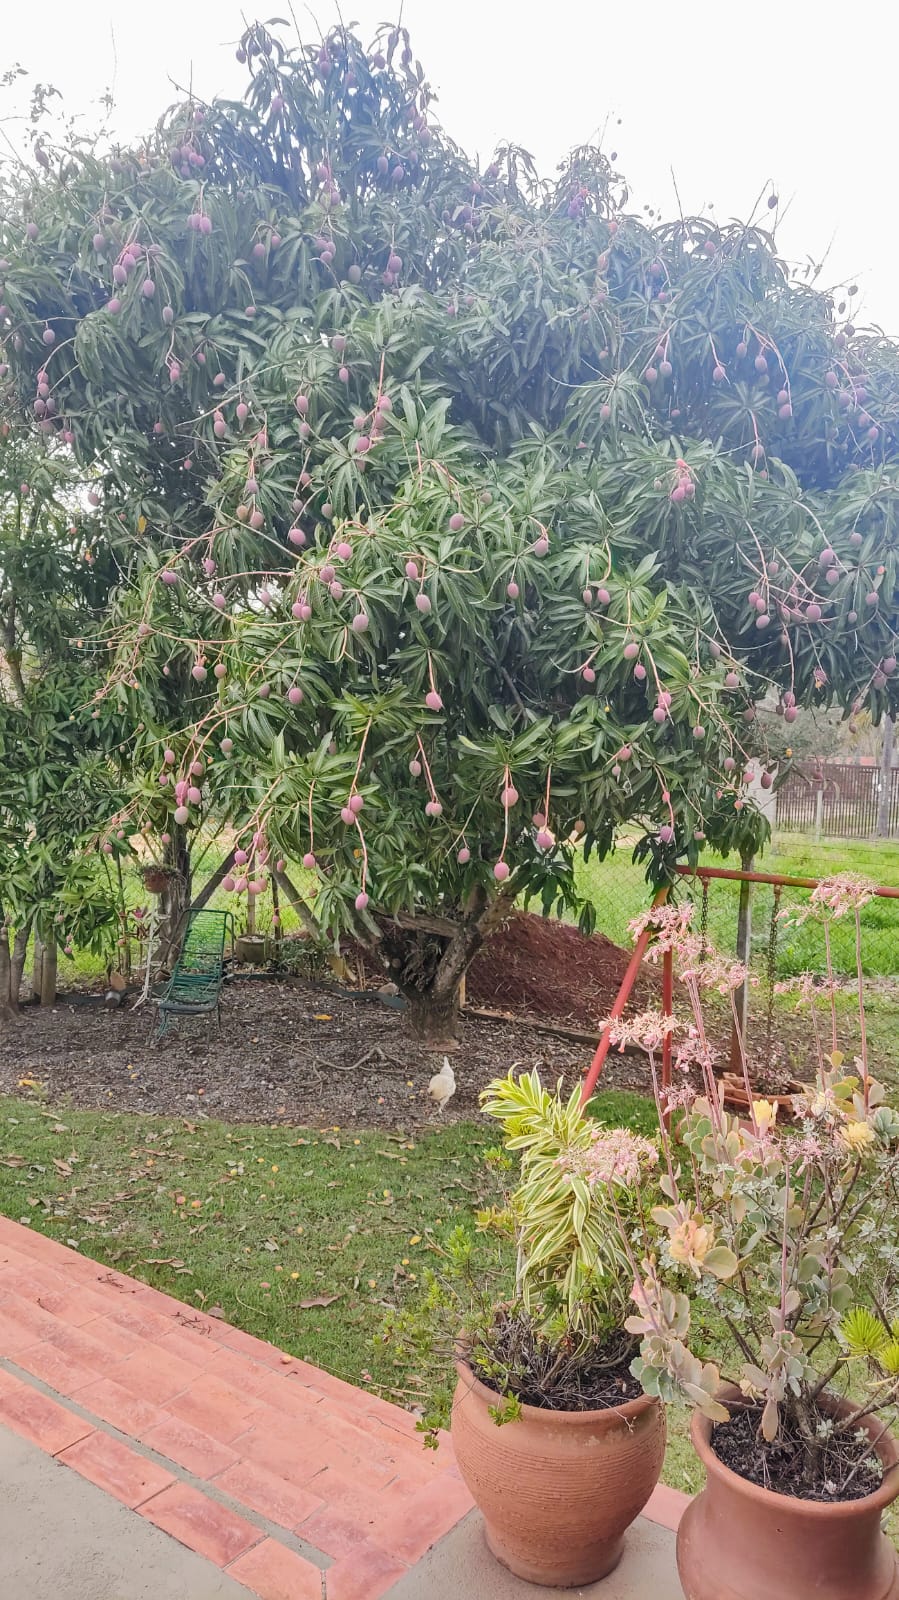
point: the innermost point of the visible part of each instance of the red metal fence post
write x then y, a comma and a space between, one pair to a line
621, 1000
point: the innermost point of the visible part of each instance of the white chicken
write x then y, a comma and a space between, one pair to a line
442, 1086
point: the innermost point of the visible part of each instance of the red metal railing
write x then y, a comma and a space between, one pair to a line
640, 948
621, 1000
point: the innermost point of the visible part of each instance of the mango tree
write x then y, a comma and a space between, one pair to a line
459, 512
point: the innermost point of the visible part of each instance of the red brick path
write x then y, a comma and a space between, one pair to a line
263, 1464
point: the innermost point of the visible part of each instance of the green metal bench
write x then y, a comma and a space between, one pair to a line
195, 986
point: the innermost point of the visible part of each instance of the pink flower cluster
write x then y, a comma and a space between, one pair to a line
710, 970
695, 1051
845, 891
614, 1155
647, 1029
669, 925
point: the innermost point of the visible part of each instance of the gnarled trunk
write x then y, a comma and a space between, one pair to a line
427, 957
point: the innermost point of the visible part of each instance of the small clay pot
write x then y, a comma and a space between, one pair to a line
558, 1489
737, 1541
252, 949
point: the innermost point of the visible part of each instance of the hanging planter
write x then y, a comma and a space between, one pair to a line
156, 879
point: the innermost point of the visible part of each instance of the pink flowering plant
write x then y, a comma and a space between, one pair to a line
776, 1240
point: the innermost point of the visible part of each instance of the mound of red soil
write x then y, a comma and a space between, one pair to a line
537, 967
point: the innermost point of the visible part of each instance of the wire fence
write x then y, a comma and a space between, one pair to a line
619, 892
780, 1026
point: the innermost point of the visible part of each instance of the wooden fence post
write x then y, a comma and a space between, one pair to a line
744, 951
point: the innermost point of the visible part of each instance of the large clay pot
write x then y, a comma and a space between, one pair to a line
737, 1541
558, 1489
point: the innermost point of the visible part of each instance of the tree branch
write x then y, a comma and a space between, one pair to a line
468, 939
309, 922
209, 888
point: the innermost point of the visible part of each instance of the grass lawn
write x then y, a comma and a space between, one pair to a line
305, 1237
619, 890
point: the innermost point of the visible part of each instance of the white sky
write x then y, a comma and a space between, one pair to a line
725, 95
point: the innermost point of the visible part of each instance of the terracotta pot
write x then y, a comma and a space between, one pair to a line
738, 1541
558, 1489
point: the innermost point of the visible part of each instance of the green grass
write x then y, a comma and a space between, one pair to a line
256, 1220
619, 891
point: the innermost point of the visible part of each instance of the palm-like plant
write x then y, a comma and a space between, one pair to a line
570, 1253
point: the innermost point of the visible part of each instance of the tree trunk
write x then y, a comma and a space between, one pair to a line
433, 1019
886, 780
175, 905
37, 968
298, 904
744, 950
49, 957
276, 917
6, 1009
12, 967
429, 969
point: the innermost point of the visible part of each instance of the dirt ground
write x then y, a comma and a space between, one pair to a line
307, 1051
287, 1049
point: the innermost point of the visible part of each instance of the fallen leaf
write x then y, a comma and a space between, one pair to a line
13, 1161
62, 1167
216, 1311
322, 1016
319, 1300
271, 1244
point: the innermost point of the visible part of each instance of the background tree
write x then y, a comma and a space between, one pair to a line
452, 508
59, 758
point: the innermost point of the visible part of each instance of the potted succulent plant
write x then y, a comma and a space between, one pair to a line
778, 1243
554, 1437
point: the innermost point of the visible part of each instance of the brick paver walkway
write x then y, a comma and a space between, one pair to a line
299, 1486
267, 1466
